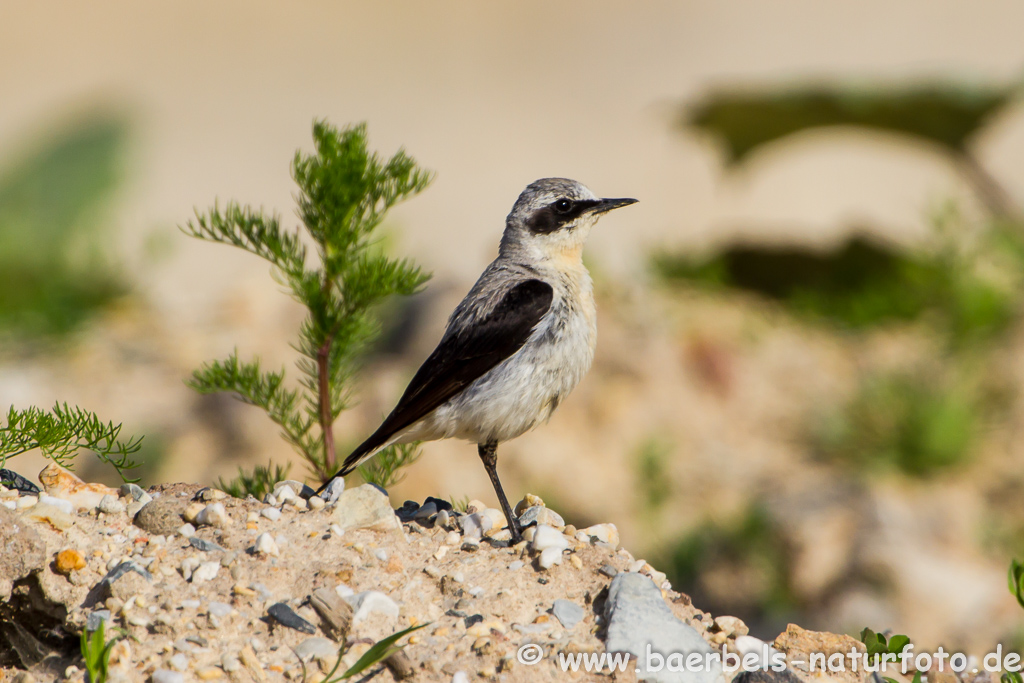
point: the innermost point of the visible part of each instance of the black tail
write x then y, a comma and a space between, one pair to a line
376, 440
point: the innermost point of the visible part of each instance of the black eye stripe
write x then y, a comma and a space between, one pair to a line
549, 219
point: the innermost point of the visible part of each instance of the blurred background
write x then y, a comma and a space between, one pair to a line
807, 400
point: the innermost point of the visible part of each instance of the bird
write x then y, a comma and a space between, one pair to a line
517, 344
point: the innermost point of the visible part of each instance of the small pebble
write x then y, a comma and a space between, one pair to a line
271, 513
547, 537
167, 676
68, 561
334, 490
286, 616
186, 530
59, 503
229, 662
608, 571
442, 518
266, 545
26, 502
203, 544
515, 566
110, 505
207, 571
220, 609
316, 503
214, 515
284, 493
178, 662
568, 613
549, 557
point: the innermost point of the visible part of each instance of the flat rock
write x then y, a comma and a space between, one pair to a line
365, 507
568, 613
538, 514
638, 617
317, 648
22, 551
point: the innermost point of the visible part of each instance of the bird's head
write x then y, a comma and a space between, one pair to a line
552, 218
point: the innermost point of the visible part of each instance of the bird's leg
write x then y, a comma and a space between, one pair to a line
489, 455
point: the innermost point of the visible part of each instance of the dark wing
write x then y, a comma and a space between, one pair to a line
462, 358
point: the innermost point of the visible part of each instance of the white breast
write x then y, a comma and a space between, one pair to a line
522, 391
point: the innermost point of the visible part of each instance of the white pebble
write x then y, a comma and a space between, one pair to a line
284, 494
460, 677
207, 571
252, 517
110, 505
514, 566
549, 557
213, 514
371, 602
59, 503
26, 502
187, 530
343, 591
442, 518
381, 554
9, 504
474, 525
266, 545
273, 514
548, 537
316, 503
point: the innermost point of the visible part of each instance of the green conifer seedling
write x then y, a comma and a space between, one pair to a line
344, 193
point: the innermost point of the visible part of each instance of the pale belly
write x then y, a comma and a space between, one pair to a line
518, 394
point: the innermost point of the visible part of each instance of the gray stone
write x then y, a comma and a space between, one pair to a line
538, 514
203, 544
162, 515
286, 616
569, 614
333, 490
220, 609
133, 490
638, 617
22, 551
365, 507
317, 648
92, 622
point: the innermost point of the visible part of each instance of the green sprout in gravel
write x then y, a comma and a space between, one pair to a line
96, 649
345, 191
380, 651
64, 431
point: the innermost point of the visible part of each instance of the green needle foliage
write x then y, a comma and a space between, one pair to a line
61, 433
257, 484
385, 469
344, 193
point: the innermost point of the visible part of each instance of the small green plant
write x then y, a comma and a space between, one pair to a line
380, 651
459, 504
64, 431
746, 548
385, 470
257, 483
913, 422
56, 269
655, 485
344, 193
880, 650
96, 649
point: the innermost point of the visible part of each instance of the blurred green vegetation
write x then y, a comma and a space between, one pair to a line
916, 423
736, 566
55, 263
654, 483
947, 115
970, 293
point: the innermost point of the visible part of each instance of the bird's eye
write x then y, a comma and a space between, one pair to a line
563, 206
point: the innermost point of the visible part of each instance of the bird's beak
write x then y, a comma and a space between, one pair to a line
606, 205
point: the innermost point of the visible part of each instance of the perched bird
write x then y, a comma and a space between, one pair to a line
518, 343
